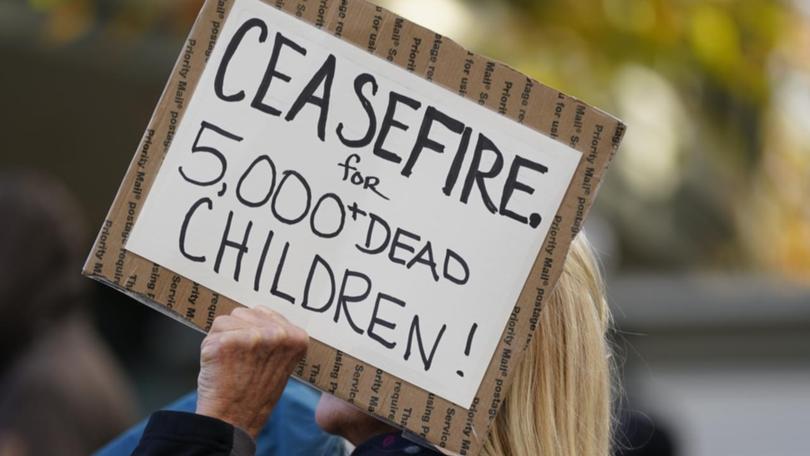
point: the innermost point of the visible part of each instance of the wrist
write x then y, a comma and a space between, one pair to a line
251, 423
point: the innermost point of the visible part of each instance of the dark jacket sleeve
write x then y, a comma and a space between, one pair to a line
189, 434
392, 444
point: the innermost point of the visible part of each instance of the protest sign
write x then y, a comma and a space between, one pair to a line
321, 167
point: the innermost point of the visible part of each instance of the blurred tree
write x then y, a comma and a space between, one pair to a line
715, 168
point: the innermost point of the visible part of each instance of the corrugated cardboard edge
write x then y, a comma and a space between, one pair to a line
436, 58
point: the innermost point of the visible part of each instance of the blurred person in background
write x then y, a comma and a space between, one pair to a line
60, 390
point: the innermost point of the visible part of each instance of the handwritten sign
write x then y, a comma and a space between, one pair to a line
332, 160
392, 219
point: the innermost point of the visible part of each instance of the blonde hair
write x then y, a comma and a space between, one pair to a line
560, 401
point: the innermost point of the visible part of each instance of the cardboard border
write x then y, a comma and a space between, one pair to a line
442, 61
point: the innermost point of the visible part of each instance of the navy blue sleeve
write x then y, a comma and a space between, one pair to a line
392, 444
189, 434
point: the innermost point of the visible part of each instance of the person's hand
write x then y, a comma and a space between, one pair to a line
245, 362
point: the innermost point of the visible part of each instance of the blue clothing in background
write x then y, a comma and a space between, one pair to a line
291, 429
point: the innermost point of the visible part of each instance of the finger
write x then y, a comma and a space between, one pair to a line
279, 319
275, 329
243, 313
210, 347
241, 340
225, 323
299, 336
257, 316
293, 336
268, 314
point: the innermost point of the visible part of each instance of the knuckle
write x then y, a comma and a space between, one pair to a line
296, 340
261, 308
233, 341
273, 337
254, 338
271, 315
211, 346
270, 338
300, 337
281, 319
294, 333
219, 321
240, 312
303, 345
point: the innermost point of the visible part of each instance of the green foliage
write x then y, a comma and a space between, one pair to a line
716, 163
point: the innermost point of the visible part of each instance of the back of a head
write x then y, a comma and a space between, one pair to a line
560, 401
62, 391
41, 243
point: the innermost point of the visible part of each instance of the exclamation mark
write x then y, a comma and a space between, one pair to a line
469, 344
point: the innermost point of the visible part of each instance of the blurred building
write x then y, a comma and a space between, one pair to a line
720, 362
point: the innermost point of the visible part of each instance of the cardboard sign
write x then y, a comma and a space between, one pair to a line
390, 218
413, 232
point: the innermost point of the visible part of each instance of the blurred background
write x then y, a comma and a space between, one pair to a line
703, 224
